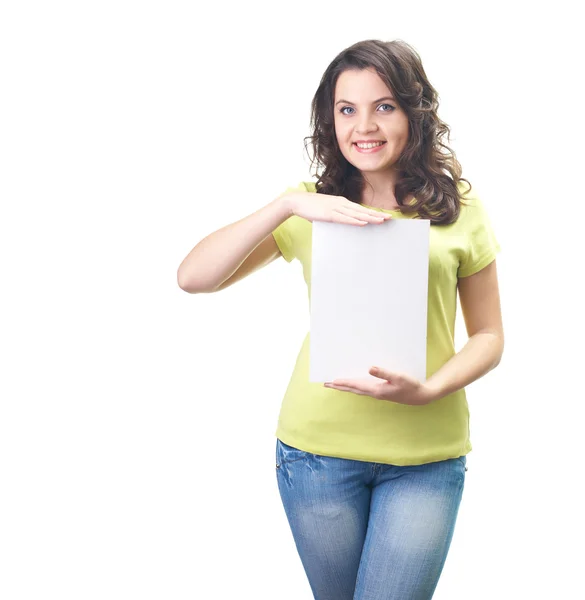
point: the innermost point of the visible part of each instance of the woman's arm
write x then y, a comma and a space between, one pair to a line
480, 304
217, 257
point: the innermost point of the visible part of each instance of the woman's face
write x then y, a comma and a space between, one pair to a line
364, 109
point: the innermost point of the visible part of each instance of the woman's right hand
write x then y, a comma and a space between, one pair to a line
335, 209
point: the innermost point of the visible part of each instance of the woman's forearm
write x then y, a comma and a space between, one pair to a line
216, 257
481, 354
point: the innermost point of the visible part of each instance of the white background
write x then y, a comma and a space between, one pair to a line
137, 421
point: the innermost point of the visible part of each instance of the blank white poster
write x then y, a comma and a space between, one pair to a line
369, 289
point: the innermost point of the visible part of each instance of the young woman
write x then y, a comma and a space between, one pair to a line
371, 472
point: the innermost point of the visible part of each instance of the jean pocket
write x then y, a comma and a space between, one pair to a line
286, 454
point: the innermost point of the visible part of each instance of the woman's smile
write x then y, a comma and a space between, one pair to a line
369, 149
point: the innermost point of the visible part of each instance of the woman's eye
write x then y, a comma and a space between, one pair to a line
391, 108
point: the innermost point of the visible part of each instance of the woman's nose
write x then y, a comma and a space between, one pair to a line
366, 124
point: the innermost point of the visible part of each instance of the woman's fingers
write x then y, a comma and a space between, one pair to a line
366, 216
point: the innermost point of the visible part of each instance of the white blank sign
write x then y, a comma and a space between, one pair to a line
369, 288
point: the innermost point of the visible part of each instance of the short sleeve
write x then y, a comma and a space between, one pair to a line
283, 234
481, 243
282, 237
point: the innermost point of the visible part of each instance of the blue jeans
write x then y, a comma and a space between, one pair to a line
369, 531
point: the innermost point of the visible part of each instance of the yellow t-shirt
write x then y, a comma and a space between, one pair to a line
343, 424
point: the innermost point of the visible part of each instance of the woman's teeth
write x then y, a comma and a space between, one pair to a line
365, 146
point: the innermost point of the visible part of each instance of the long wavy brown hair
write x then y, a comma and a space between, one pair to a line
428, 168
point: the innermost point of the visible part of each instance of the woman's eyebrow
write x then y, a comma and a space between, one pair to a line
374, 102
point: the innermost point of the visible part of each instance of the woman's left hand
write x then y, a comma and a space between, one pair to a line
394, 387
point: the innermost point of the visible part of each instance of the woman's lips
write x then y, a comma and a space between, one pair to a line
369, 150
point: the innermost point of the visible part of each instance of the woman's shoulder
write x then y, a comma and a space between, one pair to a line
304, 186
470, 201
473, 214
466, 191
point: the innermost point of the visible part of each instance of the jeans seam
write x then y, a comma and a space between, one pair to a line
460, 459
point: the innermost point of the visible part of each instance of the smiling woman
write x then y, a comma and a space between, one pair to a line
373, 447
371, 472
